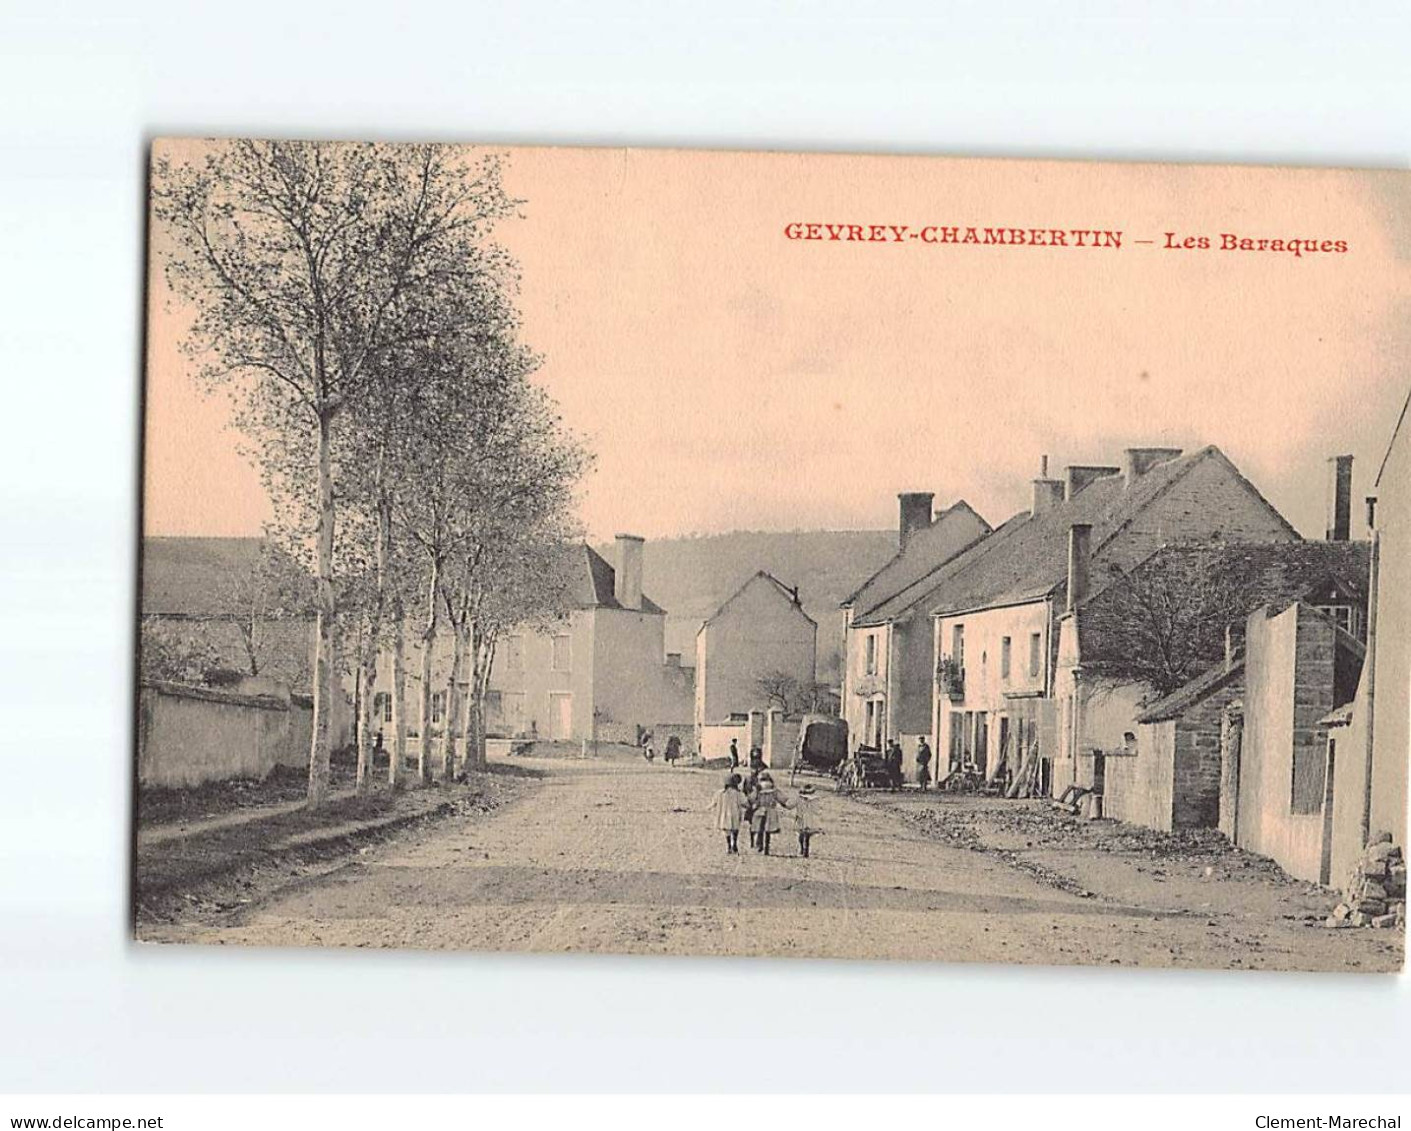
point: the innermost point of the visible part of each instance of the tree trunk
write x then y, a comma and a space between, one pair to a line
428, 644
367, 687
483, 657
373, 647
398, 758
327, 612
453, 705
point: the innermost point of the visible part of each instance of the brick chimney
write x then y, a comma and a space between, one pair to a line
1077, 476
1339, 498
627, 579
915, 514
1048, 493
1079, 548
1136, 462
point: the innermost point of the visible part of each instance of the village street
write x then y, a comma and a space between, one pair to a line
620, 856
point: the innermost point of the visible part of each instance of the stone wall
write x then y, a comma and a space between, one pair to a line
187, 736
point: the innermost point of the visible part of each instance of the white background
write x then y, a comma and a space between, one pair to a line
82, 88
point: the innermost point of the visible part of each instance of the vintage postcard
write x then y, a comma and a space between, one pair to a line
709, 553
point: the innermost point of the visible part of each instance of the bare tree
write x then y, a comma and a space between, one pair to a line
1163, 621
305, 263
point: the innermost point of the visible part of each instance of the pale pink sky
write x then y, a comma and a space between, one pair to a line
729, 378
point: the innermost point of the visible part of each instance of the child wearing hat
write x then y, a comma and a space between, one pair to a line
728, 806
806, 821
766, 814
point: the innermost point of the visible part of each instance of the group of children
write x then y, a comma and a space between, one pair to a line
754, 802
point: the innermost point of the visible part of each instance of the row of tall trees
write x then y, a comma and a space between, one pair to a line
352, 299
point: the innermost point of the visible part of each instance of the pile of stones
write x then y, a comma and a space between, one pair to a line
1375, 895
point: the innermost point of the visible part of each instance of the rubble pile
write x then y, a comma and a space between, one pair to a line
1375, 895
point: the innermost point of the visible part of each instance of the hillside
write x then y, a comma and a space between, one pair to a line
691, 577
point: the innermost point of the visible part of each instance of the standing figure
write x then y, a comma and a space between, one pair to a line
923, 764
647, 752
729, 806
894, 770
806, 822
766, 813
672, 751
734, 754
751, 795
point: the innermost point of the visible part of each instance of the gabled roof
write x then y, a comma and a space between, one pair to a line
1271, 573
1198, 588
1026, 559
895, 587
1396, 437
790, 594
595, 582
1181, 700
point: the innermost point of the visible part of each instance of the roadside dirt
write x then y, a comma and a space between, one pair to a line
194, 869
619, 856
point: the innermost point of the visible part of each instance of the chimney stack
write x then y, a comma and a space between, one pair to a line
1230, 647
1136, 462
1339, 498
1371, 512
1079, 547
1077, 476
627, 579
915, 514
1048, 493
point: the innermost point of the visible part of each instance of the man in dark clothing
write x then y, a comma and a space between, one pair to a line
923, 764
734, 754
894, 770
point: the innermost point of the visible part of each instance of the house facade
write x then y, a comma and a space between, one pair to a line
888, 657
760, 632
1371, 742
1195, 596
998, 705
600, 674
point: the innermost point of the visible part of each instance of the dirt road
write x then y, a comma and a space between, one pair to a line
622, 857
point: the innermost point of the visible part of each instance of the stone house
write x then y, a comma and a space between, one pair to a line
1370, 738
760, 631
1156, 759
888, 652
601, 674
1277, 794
996, 608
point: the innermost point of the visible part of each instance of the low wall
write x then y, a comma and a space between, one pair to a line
781, 736
715, 739
1137, 787
188, 736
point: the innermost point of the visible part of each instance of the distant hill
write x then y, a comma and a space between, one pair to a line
692, 577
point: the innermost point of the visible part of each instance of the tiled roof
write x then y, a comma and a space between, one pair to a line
596, 585
791, 594
1183, 698
1027, 558
901, 583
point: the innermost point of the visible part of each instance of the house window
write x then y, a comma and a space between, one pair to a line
438, 707
513, 652
493, 712
513, 703
563, 653
382, 706
957, 645
1036, 654
870, 661
1004, 657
